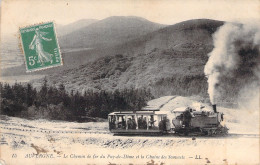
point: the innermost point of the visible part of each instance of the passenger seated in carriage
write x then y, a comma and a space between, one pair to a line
121, 123
142, 123
112, 123
151, 122
164, 124
131, 124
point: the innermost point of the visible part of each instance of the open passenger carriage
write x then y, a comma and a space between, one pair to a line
137, 122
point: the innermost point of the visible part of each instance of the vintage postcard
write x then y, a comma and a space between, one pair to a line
129, 82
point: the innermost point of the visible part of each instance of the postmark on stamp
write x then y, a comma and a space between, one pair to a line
40, 46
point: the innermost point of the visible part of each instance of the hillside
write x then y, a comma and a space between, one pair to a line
182, 36
108, 32
170, 60
185, 36
167, 72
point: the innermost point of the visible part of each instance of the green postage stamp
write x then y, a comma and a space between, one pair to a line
40, 47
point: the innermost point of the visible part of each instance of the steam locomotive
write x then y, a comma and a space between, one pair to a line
181, 121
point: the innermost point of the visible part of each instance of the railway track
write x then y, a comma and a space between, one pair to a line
52, 131
35, 130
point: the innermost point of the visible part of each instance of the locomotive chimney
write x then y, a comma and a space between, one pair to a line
214, 106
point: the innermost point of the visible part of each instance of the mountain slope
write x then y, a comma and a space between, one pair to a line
108, 32
147, 70
185, 36
181, 36
170, 61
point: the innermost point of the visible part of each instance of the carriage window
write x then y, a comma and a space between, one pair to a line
164, 123
131, 122
112, 122
142, 122
152, 122
121, 122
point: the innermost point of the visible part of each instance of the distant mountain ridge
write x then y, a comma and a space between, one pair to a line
74, 26
109, 32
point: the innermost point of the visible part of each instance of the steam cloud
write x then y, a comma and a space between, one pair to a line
233, 64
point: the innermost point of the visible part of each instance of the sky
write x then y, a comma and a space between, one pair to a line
15, 14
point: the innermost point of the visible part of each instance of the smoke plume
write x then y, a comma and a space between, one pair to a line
233, 66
